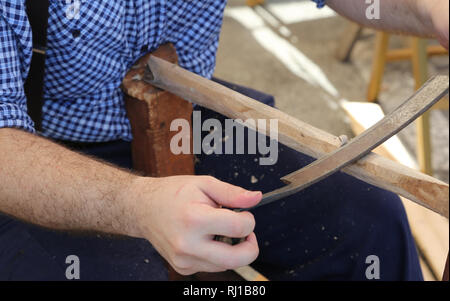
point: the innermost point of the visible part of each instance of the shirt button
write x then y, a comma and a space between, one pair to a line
144, 48
76, 33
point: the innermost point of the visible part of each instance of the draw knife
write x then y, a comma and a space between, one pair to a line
430, 93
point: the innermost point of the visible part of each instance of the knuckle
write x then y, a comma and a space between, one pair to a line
208, 179
236, 228
245, 258
241, 227
191, 218
250, 220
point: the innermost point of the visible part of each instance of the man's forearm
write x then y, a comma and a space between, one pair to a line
47, 184
400, 16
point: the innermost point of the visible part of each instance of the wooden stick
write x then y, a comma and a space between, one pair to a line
150, 112
406, 53
419, 62
250, 274
374, 169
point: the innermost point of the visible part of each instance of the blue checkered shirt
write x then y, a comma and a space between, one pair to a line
82, 96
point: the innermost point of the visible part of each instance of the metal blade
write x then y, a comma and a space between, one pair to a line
430, 93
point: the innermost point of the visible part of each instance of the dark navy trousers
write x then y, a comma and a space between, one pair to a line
325, 232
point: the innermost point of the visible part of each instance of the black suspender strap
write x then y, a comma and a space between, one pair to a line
37, 11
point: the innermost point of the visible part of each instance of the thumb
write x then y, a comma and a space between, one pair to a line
229, 195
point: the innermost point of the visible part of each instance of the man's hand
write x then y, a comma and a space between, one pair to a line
181, 215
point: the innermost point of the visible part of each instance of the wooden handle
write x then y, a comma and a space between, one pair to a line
374, 169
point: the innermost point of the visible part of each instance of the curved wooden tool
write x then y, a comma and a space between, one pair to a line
374, 169
431, 92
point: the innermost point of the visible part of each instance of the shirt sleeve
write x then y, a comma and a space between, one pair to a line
15, 58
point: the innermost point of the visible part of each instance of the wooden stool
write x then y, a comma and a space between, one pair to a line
418, 53
253, 3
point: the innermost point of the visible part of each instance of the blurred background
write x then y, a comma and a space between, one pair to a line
339, 77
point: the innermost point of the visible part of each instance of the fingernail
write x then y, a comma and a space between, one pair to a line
253, 193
